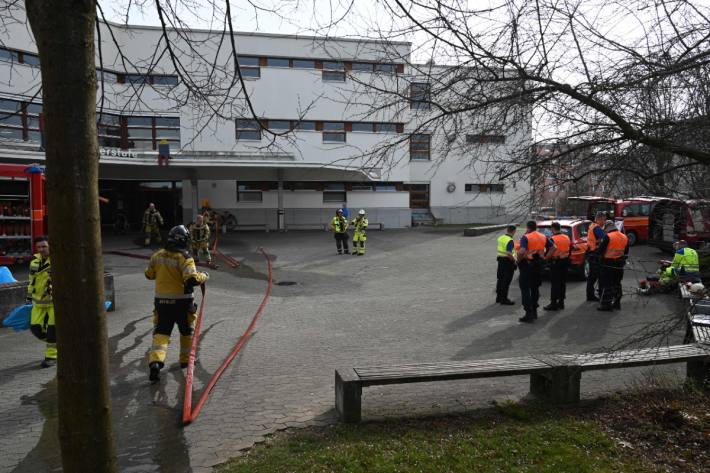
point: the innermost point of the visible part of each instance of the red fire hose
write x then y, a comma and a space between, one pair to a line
190, 413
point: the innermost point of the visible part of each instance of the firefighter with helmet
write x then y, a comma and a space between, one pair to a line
152, 221
360, 234
175, 276
339, 225
200, 237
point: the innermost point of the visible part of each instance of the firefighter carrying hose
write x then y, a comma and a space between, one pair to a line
175, 277
39, 293
152, 221
360, 235
200, 237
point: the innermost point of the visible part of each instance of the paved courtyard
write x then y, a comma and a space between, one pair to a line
418, 295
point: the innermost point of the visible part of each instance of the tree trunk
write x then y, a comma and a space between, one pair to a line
64, 32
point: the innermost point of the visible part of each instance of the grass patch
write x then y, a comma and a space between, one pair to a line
510, 438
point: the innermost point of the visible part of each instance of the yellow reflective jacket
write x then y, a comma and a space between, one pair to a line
339, 224
174, 273
360, 225
39, 288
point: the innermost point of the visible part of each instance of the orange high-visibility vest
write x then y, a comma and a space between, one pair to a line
617, 245
563, 244
536, 244
592, 243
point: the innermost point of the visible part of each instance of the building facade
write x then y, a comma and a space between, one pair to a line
320, 123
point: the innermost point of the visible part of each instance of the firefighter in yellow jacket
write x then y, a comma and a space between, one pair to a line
152, 221
175, 277
200, 237
360, 234
39, 293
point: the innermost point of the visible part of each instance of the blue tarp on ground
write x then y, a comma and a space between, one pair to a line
19, 318
6, 275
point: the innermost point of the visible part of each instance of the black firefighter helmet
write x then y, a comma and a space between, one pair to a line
178, 238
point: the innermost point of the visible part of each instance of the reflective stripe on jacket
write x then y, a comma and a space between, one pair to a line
592, 243
687, 259
360, 225
503, 241
199, 233
563, 246
616, 247
340, 224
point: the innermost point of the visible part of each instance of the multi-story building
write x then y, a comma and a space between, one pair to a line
340, 123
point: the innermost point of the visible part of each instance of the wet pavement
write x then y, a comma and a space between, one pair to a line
418, 295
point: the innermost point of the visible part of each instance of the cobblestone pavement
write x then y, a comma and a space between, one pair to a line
418, 295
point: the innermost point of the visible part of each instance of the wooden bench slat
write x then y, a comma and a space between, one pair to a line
628, 358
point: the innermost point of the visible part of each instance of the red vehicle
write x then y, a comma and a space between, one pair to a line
22, 211
633, 212
576, 230
672, 220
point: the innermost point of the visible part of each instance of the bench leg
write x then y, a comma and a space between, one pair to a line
560, 384
348, 393
698, 371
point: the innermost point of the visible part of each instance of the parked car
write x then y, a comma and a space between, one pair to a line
630, 215
576, 230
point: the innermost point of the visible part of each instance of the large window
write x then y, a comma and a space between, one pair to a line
420, 95
248, 130
485, 188
110, 134
142, 133
250, 192
19, 120
420, 147
333, 132
21, 57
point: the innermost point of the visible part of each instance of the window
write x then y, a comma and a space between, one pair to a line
386, 127
636, 210
485, 138
334, 132
19, 120
164, 80
137, 132
362, 187
107, 76
249, 66
30, 59
277, 62
420, 147
303, 186
137, 79
334, 196
280, 125
582, 229
385, 68
249, 192
333, 71
304, 64
334, 186
10, 55
109, 127
248, 130
385, 187
420, 96
305, 125
363, 127
485, 188
362, 66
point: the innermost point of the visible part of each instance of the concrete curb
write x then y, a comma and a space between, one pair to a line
475, 231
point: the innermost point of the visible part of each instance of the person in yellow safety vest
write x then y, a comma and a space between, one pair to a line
152, 221
360, 234
595, 234
506, 265
339, 225
175, 276
685, 263
200, 238
39, 294
612, 252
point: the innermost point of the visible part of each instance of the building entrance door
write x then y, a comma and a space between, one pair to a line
418, 195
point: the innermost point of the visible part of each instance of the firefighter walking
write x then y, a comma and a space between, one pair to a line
360, 233
200, 237
339, 225
152, 221
39, 293
612, 253
175, 276
559, 264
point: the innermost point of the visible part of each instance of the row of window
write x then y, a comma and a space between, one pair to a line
333, 132
250, 66
31, 59
138, 132
20, 120
333, 192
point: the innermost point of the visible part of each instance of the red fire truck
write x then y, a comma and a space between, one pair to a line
23, 211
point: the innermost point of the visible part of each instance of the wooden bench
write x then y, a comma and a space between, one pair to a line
554, 377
